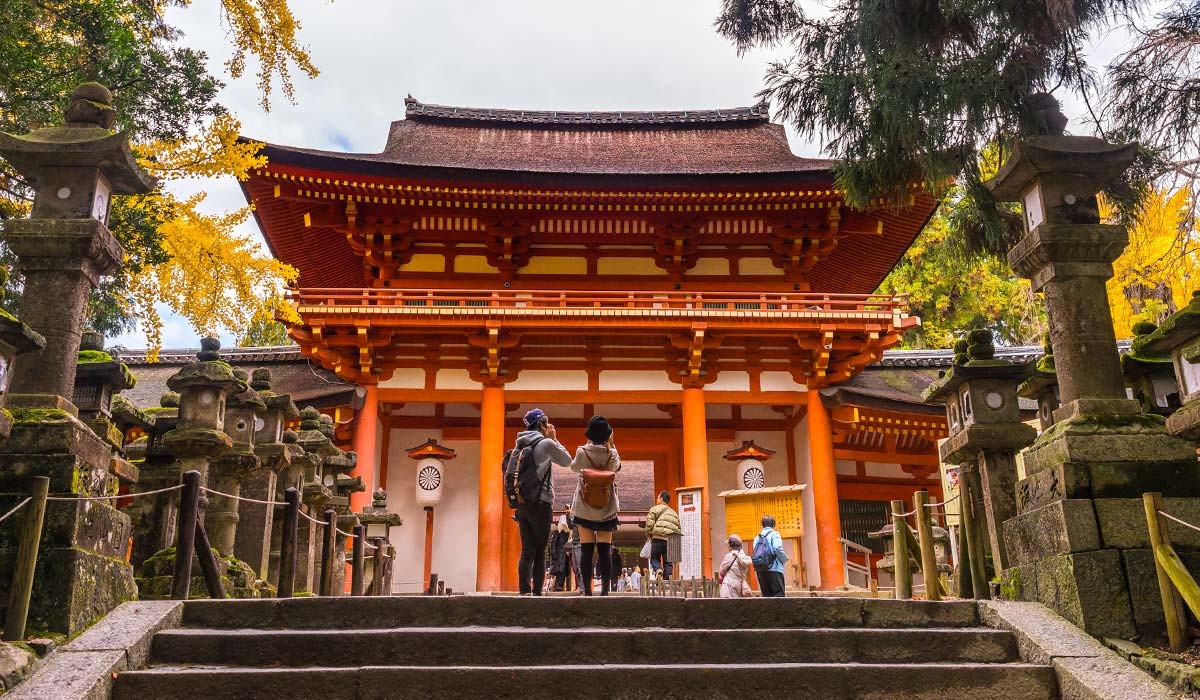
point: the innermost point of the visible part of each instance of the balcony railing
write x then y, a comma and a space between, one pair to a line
424, 301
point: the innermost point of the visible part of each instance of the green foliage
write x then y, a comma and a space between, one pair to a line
265, 331
952, 291
905, 92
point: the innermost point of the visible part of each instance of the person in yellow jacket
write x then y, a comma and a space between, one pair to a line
661, 522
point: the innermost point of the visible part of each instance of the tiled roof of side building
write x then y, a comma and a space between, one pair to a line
414, 109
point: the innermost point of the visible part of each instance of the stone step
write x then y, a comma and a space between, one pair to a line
614, 682
563, 612
491, 646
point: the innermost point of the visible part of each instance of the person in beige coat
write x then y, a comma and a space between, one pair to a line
596, 525
734, 569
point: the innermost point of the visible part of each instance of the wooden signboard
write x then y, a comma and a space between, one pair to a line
744, 509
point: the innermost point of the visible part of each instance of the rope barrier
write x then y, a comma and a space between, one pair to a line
242, 498
943, 503
113, 498
312, 519
15, 509
905, 515
1168, 516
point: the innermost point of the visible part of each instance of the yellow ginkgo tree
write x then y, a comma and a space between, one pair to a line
1157, 272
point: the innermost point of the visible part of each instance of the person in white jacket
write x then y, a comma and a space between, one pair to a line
596, 523
733, 570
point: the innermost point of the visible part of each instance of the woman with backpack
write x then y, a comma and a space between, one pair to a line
595, 504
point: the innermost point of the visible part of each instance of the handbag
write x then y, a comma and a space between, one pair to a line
646, 549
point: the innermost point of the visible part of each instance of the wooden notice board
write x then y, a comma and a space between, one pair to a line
744, 509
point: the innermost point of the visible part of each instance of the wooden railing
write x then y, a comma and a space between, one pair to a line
749, 303
852, 567
1176, 586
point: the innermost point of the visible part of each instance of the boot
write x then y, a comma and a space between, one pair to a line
587, 553
604, 552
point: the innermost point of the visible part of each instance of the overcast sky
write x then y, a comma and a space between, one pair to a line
521, 54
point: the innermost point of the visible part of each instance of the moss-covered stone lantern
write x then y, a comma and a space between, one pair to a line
1042, 387
203, 387
980, 395
1178, 338
1151, 376
16, 338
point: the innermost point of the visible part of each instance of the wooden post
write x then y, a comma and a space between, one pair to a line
27, 553
428, 571
903, 574
433, 584
1172, 602
287, 543
377, 567
973, 529
929, 569
357, 576
208, 563
441, 588
185, 535
328, 546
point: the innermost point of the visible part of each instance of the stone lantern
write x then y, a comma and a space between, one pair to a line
1178, 337
980, 395
941, 548
430, 480
377, 525
243, 411
203, 386
1078, 543
1042, 387
253, 543
65, 246
15, 338
99, 376
752, 473
1151, 376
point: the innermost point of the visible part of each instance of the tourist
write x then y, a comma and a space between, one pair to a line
557, 552
661, 522
733, 570
574, 549
617, 566
768, 560
534, 519
595, 504
635, 580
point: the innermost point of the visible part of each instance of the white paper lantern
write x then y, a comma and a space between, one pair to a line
430, 480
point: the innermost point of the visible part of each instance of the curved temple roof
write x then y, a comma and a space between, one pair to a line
693, 142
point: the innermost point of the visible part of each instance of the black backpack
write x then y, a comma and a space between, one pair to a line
522, 486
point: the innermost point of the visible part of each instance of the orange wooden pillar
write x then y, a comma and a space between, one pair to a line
824, 490
366, 431
695, 465
491, 492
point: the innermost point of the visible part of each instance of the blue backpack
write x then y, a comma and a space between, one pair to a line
763, 556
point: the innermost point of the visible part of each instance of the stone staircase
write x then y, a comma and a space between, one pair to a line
582, 648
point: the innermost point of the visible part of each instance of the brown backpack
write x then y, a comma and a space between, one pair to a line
596, 485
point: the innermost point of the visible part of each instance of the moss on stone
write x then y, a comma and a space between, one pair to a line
1010, 588
39, 415
90, 356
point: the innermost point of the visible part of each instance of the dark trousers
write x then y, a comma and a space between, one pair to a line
771, 583
658, 557
534, 522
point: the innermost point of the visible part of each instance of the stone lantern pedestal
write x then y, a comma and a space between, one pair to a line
1079, 542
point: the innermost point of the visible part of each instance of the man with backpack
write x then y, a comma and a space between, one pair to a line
768, 558
530, 492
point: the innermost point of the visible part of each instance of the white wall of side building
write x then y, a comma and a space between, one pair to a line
456, 518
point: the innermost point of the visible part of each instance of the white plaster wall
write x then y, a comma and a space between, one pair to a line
891, 471
804, 476
455, 379
456, 518
549, 380
779, 381
844, 466
634, 380
405, 378
730, 381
